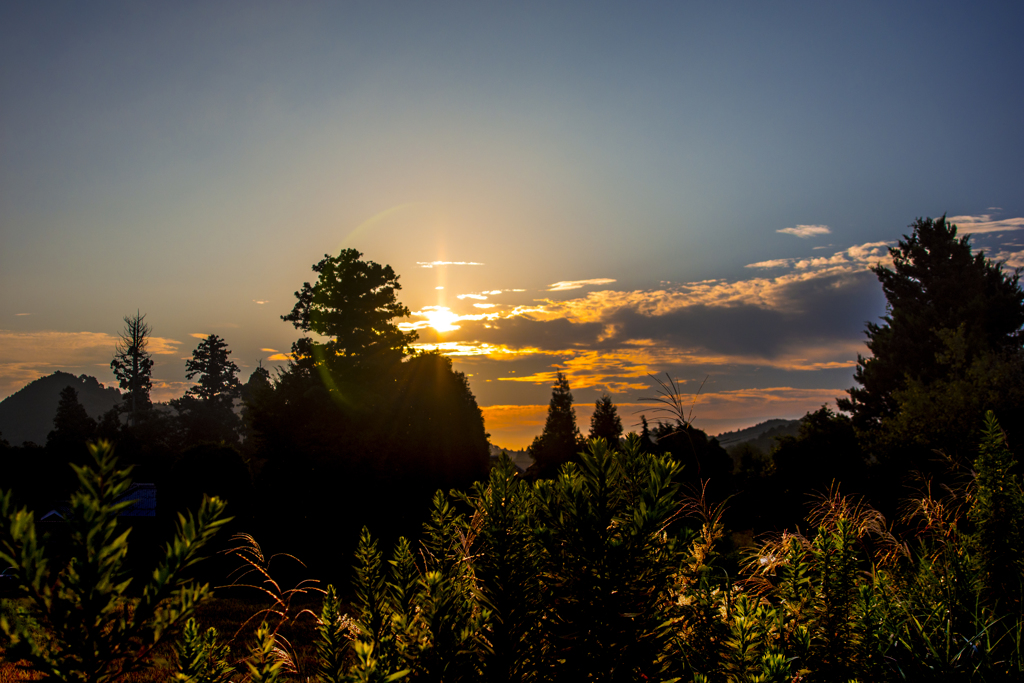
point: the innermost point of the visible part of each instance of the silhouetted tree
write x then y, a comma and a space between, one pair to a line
255, 393
206, 411
703, 458
605, 422
825, 452
133, 365
438, 429
949, 344
646, 443
353, 302
560, 441
71, 424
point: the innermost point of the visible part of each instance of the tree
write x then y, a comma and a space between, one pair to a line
561, 440
133, 365
605, 423
206, 411
938, 288
353, 302
217, 373
71, 425
947, 350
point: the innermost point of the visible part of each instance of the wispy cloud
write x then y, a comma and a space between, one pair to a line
977, 225
773, 263
805, 231
20, 314
261, 301
566, 285
481, 297
199, 335
434, 264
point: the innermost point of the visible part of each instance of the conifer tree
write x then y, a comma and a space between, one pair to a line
71, 424
605, 423
353, 303
133, 365
206, 411
946, 306
561, 440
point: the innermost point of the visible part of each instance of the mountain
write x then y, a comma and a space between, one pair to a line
27, 415
762, 433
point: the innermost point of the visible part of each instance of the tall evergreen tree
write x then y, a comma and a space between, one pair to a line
560, 441
217, 373
71, 424
605, 423
952, 315
353, 303
133, 365
206, 410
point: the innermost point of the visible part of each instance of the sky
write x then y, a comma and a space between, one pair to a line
609, 190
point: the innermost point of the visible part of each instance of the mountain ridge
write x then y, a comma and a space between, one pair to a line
27, 414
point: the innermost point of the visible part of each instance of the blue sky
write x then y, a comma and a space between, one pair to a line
191, 160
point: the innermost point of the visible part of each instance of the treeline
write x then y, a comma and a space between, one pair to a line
356, 430
948, 349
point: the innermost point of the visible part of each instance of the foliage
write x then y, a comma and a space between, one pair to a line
206, 411
560, 441
950, 312
94, 632
201, 659
353, 302
72, 426
605, 423
133, 365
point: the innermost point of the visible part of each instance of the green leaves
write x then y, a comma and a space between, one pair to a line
90, 629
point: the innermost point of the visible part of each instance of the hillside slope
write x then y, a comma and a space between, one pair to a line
27, 415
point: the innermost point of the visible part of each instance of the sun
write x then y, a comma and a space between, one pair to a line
440, 318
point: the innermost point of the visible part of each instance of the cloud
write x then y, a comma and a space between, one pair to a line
484, 305
805, 231
433, 264
269, 350
577, 284
199, 335
282, 357
977, 225
261, 301
774, 263
1012, 259
20, 314
481, 297
859, 256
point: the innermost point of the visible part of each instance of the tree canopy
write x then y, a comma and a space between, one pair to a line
206, 410
605, 423
353, 302
952, 316
561, 440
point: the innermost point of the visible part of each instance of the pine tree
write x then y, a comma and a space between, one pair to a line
561, 440
71, 424
938, 288
133, 365
353, 302
206, 410
605, 423
218, 381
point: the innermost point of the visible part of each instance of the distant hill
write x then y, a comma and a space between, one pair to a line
521, 458
27, 415
762, 435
